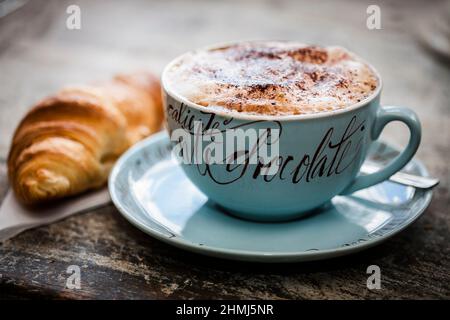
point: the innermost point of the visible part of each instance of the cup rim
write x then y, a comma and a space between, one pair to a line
252, 117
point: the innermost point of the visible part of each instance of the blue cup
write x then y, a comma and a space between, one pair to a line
319, 155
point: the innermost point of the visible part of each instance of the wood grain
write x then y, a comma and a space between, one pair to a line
118, 261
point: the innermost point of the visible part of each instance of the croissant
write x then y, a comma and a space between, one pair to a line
68, 142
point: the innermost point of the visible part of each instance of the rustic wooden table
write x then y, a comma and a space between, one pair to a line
38, 54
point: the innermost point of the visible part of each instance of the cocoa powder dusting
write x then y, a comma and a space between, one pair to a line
274, 78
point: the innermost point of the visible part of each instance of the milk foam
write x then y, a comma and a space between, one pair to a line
273, 78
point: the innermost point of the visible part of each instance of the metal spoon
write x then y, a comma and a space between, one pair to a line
406, 179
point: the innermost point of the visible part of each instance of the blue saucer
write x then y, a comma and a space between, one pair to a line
153, 193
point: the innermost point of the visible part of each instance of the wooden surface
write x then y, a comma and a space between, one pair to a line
38, 55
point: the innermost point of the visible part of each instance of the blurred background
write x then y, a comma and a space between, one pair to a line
43, 47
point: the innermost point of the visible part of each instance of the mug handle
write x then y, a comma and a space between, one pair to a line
383, 117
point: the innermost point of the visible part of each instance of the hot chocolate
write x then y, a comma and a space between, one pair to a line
273, 78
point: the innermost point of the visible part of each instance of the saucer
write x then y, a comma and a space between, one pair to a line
152, 192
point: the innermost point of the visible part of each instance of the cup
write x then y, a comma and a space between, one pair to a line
318, 155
